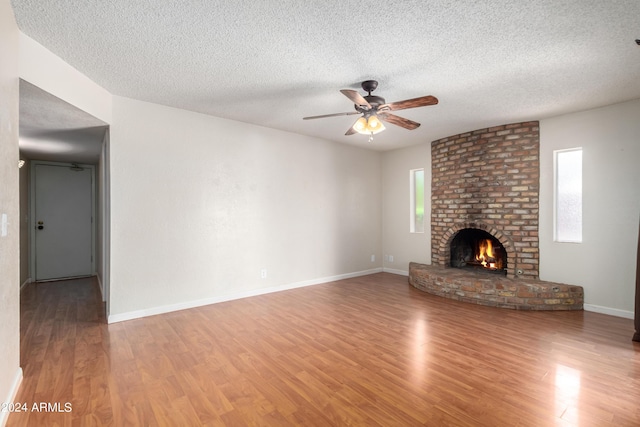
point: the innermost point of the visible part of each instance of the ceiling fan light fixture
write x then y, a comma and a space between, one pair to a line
374, 125
368, 125
360, 126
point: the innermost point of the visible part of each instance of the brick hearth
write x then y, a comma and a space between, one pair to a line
495, 291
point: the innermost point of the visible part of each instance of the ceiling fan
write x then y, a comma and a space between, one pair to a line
374, 109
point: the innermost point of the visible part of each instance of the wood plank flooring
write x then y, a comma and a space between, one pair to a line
370, 351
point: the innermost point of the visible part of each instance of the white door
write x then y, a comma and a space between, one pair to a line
62, 221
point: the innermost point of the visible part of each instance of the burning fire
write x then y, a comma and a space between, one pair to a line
485, 255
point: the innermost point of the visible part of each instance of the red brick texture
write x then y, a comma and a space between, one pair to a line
488, 179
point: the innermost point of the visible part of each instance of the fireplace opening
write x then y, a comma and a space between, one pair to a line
476, 249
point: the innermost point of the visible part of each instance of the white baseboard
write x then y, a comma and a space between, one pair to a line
26, 282
100, 286
394, 271
114, 318
610, 311
11, 397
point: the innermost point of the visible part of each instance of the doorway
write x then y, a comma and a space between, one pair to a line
62, 220
52, 131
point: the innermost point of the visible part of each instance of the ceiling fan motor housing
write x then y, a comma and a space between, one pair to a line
369, 86
375, 101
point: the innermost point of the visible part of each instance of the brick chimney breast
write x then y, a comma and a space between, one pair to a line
488, 179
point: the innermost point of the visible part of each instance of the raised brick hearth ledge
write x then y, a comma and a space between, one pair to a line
493, 290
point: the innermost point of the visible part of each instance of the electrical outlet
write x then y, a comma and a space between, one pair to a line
263, 273
390, 258
373, 258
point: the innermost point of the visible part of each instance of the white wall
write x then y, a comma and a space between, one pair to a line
10, 372
604, 263
397, 240
199, 205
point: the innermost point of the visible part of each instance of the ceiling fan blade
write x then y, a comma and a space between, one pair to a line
423, 101
399, 121
350, 113
351, 131
354, 96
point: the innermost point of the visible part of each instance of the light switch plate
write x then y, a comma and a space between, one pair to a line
4, 224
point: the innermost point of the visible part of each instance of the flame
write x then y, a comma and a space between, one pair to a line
485, 255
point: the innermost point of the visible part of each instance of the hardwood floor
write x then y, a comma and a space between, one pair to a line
369, 351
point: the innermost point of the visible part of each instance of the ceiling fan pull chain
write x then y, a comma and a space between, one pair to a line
371, 137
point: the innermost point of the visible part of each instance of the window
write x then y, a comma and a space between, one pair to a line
416, 208
568, 195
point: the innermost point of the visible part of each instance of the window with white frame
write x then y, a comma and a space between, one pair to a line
568, 195
416, 208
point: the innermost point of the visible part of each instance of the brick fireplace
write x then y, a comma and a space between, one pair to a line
488, 179
487, 182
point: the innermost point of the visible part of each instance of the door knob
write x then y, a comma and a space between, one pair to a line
40, 225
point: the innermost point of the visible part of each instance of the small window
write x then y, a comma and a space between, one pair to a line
416, 208
568, 195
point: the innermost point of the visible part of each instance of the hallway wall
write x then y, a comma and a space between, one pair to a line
11, 373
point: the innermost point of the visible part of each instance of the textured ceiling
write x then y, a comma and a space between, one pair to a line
54, 130
273, 62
